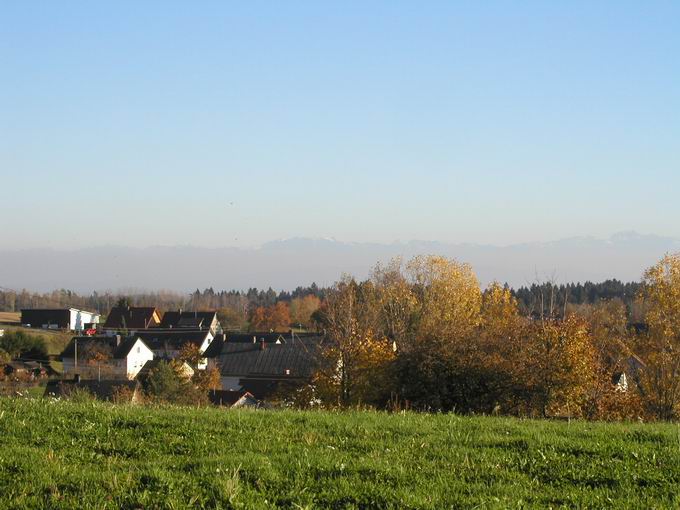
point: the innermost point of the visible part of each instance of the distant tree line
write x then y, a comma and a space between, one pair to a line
529, 298
234, 307
256, 309
547, 298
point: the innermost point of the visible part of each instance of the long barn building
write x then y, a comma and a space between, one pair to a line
58, 318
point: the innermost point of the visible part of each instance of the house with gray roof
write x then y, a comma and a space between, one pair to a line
262, 368
191, 320
115, 356
167, 343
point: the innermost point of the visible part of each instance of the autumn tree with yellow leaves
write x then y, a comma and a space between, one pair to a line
356, 358
559, 365
660, 347
434, 366
424, 335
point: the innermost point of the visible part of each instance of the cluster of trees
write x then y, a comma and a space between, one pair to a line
18, 344
424, 335
281, 316
169, 383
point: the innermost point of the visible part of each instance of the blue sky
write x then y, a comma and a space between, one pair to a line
220, 124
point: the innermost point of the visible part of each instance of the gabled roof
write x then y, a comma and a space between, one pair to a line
133, 317
24, 310
195, 320
159, 339
230, 398
271, 338
215, 347
294, 360
120, 348
103, 390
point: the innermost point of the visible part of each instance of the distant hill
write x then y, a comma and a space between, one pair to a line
288, 263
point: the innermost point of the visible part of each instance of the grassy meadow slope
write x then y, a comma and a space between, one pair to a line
55, 340
95, 455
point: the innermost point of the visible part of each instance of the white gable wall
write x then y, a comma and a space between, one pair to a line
78, 319
137, 357
203, 364
206, 342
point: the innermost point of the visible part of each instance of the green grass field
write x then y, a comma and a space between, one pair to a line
95, 455
55, 341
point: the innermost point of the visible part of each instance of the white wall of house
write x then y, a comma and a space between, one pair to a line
204, 362
125, 368
206, 342
79, 318
137, 357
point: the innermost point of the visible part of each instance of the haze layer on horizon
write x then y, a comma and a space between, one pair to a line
219, 124
285, 265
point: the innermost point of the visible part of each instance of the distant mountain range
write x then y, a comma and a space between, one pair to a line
288, 263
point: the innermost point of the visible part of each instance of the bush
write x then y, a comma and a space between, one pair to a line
22, 345
122, 395
166, 383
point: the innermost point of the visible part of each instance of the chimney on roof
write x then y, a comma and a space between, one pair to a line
262, 344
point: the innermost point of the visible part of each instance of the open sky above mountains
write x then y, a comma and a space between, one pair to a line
221, 124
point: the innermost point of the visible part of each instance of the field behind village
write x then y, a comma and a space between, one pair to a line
96, 455
55, 340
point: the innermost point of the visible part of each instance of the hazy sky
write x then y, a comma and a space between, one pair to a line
217, 123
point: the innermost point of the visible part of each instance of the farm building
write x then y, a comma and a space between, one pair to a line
132, 318
58, 318
113, 356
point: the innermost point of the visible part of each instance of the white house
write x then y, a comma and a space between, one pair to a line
112, 357
167, 344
